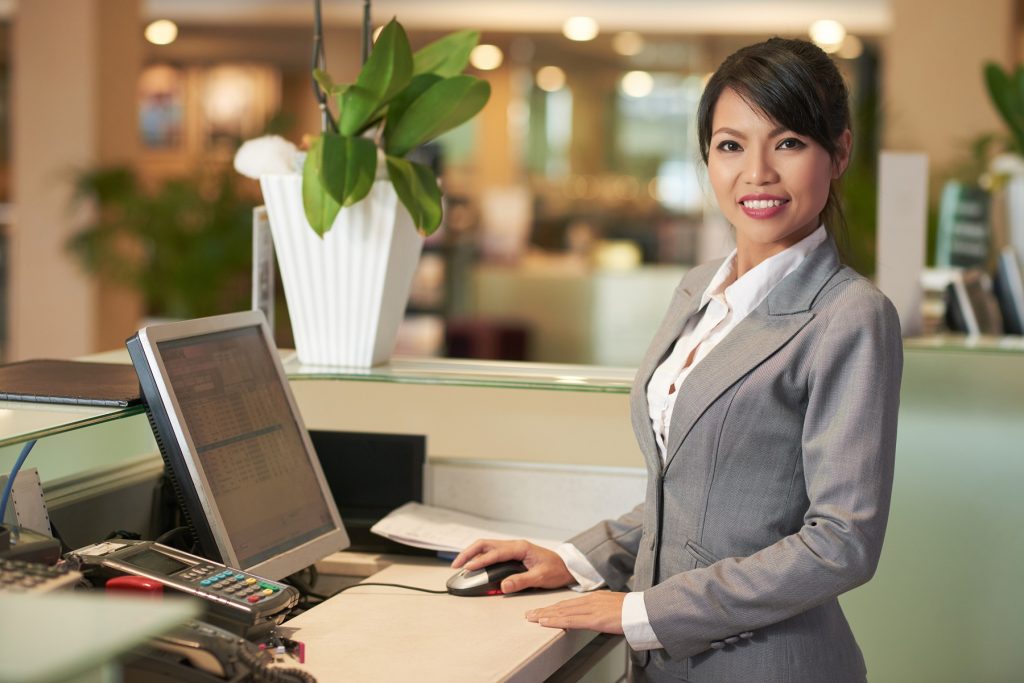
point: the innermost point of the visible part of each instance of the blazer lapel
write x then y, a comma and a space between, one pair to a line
782, 314
684, 304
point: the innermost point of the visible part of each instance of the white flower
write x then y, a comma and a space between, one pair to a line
1007, 164
265, 155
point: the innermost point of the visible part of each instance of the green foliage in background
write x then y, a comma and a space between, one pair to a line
860, 182
186, 247
1007, 93
400, 100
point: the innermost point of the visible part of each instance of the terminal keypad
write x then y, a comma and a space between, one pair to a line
230, 584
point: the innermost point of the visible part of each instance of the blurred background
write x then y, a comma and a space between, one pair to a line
574, 202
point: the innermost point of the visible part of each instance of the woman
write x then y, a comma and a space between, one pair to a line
766, 411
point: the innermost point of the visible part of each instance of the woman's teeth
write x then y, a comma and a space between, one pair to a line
763, 203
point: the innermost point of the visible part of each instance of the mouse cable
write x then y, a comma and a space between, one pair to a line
388, 585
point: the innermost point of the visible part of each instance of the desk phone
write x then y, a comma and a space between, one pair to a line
236, 600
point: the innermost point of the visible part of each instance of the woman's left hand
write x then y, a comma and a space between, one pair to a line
599, 611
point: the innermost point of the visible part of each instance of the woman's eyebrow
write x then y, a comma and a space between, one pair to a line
728, 131
778, 130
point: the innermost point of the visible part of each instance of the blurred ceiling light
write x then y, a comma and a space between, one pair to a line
161, 32
637, 84
628, 43
486, 57
827, 34
580, 28
550, 78
851, 48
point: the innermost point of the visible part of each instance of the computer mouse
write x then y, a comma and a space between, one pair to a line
485, 581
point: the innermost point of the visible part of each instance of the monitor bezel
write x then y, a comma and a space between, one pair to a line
179, 451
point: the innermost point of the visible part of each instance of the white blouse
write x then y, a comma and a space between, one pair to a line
724, 304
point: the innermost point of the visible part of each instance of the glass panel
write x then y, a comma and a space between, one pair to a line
476, 373
20, 422
959, 342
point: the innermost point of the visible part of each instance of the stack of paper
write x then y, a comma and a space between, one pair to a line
424, 526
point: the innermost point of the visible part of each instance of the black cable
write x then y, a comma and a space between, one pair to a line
171, 535
64, 547
303, 587
262, 671
389, 585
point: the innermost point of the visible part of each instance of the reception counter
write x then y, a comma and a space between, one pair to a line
553, 445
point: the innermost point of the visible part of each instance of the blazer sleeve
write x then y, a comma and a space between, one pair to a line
611, 547
848, 446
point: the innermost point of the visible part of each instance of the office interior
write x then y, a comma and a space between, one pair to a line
575, 203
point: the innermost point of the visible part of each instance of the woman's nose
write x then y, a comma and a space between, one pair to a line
759, 170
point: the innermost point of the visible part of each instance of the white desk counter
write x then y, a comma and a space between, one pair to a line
391, 634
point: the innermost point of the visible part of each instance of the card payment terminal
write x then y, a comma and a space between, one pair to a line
236, 600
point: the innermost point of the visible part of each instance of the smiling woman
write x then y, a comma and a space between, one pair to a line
765, 409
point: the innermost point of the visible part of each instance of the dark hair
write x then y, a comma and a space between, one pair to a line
795, 84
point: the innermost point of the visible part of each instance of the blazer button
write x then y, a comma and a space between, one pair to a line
717, 645
732, 640
747, 635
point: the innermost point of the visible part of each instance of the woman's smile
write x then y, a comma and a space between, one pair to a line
763, 205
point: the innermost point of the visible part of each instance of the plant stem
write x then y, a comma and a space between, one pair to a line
367, 30
320, 62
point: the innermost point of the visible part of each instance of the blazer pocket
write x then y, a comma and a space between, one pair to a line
704, 557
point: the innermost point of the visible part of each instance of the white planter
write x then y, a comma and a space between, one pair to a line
346, 292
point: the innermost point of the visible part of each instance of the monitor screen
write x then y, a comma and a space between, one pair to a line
247, 476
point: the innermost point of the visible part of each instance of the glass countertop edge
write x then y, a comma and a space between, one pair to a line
68, 426
961, 343
469, 373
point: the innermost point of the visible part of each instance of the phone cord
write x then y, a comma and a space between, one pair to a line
268, 674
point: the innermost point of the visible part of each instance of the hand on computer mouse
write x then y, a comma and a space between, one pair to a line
544, 568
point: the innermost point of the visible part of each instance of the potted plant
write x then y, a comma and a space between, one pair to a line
348, 228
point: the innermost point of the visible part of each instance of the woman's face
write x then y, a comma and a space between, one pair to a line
771, 183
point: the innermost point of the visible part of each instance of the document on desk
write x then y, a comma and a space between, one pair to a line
448, 531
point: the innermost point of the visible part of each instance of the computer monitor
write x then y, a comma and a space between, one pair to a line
970, 305
247, 477
1009, 289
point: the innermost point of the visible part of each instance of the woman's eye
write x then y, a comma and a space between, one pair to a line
728, 146
791, 143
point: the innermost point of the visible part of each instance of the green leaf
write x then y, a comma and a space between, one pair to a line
417, 188
386, 72
417, 86
321, 209
323, 79
1008, 98
348, 168
440, 108
446, 56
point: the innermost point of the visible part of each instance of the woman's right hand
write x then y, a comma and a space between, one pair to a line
544, 568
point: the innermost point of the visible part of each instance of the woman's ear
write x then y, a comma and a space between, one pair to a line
844, 146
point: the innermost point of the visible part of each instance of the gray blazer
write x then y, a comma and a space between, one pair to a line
775, 494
